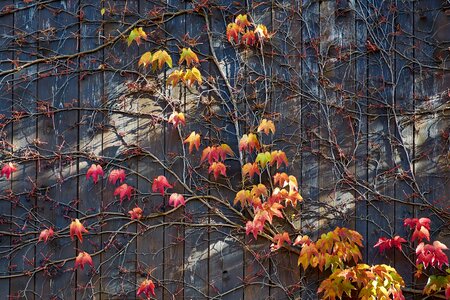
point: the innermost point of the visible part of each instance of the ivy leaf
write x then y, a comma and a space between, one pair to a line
250, 169
176, 200
94, 171
146, 59
244, 197
135, 35
135, 213
217, 168
189, 56
249, 38
254, 227
146, 287
82, 259
263, 158
249, 142
233, 30
175, 77
192, 76
385, 243
261, 32
116, 174
266, 126
431, 254
123, 191
8, 169
279, 157
242, 21
194, 140
77, 229
279, 239
160, 58
421, 228
46, 234
159, 183
177, 118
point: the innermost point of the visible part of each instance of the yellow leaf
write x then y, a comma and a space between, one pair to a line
145, 59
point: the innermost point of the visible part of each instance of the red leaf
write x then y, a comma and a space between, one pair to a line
421, 228
46, 234
82, 259
123, 191
177, 118
77, 229
217, 168
279, 239
8, 169
254, 227
176, 200
115, 175
147, 287
249, 142
233, 30
385, 243
135, 213
94, 171
249, 38
159, 183
431, 254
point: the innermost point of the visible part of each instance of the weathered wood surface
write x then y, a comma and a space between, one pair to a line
366, 131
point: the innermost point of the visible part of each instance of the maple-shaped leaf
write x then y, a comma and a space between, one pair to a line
146, 59
273, 209
175, 77
263, 159
216, 153
94, 171
233, 30
261, 32
242, 21
224, 150
249, 38
254, 227
123, 191
281, 179
147, 287
194, 140
177, 118
385, 243
160, 58
302, 239
77, 229
46, 234
436, 283
244, 197
421, 228
189, 56
135, 35
217, 168
250, 169
135, 213
7, 169
116, 174
266, 126
279, 239
431, 254
159, 183
176, 200
192, 76
258, 190
307, 254
82, 259
279, 157
249, 142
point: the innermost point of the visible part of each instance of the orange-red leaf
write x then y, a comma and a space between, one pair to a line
218, 168
8, 169
94, 171
175, 77
249, 142
82, 259
250, 169
135, 213
116, 174
177, 118
279, 157
77, 229
194, 140
159, 183
147, 287
123, 191
279, 239
176, 200
249, 38
233, 30
243, 197
46, 234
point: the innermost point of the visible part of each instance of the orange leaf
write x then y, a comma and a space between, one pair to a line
217, 168
177, 118
279, 157
249, 142
233, 30
189, 56
243, 197
194, 140
250, 169
147, 287
249, 38
82, 259
279, 239
266, 126
175, 77
135, 213
160, 58
77, 229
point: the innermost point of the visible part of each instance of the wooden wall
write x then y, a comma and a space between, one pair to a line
359, 90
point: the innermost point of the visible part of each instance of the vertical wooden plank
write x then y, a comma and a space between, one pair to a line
57, 88
361, 146
286, 111
90, 142
196, 246
174, 239
404, 154
226, 254
380, 152
151, 139
119, 138
6, 127
431, 173
310, 125
24, 132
